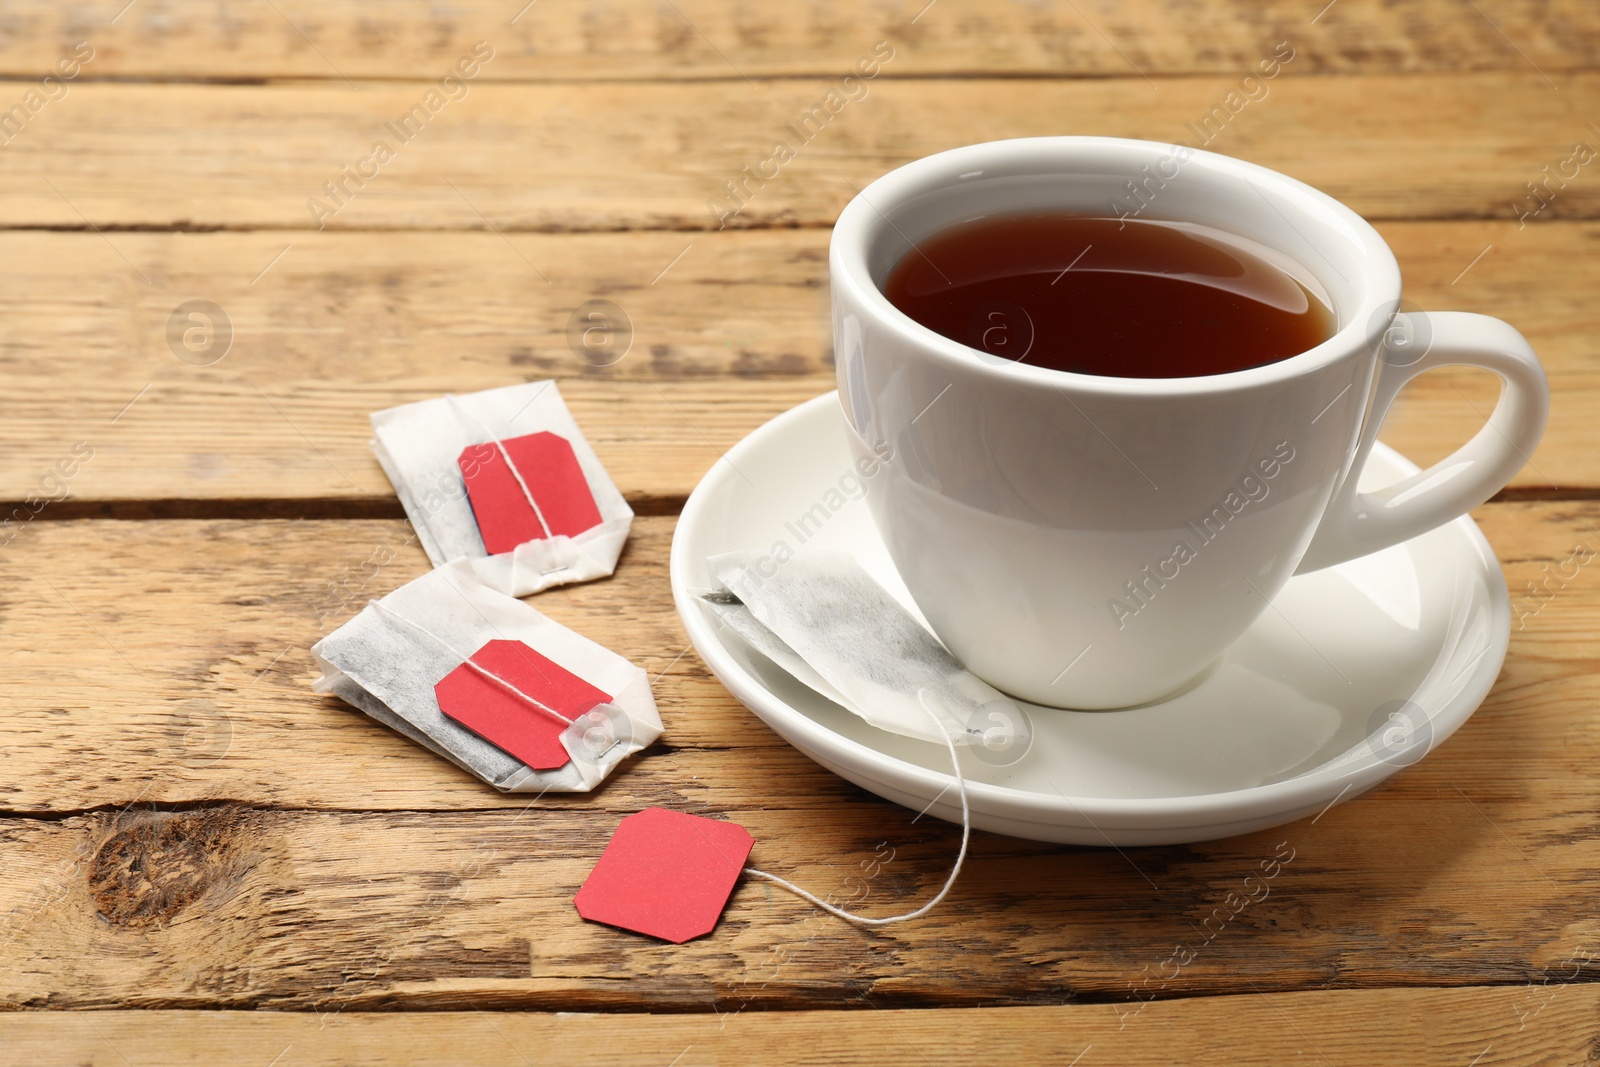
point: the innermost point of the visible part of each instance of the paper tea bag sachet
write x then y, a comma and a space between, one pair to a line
826, 621
490, 684
506, 479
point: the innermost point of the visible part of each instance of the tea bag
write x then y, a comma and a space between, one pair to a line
822, 618
475, 675
505, 478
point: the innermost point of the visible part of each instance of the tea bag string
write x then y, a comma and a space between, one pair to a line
466, 661
961, 856
498, 444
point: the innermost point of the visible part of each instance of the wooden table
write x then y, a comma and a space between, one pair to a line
201, 861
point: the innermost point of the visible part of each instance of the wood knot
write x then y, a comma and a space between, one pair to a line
157, 863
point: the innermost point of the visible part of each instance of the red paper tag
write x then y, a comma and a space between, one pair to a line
554, 479
666, 874
504, 719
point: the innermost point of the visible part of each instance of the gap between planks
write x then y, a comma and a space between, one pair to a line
306, 508
364, 509
1418, 1027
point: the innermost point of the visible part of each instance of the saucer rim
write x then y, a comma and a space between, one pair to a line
1303, 792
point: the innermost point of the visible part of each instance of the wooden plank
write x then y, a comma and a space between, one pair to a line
249, 885
629, 39
734, 333
220, 906
661, 156
1401, 1027
101, 653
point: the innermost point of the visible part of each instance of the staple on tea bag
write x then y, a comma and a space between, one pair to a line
390, 658
822, 609
505, 478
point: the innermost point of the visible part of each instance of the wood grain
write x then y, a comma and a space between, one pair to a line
660, 156
1534, 1026
181, 832
184, 825
640, 39
734, 333
219, 905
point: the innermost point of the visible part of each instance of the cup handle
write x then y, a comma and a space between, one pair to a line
1357, 523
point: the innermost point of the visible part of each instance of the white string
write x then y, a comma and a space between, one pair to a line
495, 440
467, 661
961, 856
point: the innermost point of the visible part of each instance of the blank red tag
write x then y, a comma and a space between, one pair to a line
554, 478
666, 874
506, 720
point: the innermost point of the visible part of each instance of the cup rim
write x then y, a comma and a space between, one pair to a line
867, 211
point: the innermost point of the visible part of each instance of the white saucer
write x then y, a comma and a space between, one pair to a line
1354, 673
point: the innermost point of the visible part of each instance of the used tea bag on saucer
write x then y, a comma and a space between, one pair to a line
490, 684
506, 479
825, 620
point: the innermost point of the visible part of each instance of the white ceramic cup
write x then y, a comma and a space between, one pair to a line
1095, 542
